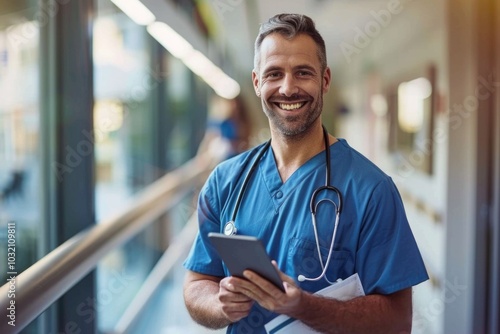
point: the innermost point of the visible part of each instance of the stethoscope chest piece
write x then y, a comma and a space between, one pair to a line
230, 228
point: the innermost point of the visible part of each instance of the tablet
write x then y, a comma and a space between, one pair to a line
241, 252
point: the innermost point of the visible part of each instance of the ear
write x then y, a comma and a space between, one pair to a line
327, 80
255, 81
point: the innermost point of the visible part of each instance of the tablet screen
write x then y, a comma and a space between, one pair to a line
241, 252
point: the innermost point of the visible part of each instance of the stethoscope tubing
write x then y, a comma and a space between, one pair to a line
230, 227
247, 179
325, 265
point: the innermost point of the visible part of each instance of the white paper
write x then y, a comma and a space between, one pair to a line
344, 290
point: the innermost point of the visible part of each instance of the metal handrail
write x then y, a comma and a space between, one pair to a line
176, 251
44, 282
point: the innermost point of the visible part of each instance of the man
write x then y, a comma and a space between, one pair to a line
373, 238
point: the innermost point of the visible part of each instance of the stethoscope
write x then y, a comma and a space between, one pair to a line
230, 227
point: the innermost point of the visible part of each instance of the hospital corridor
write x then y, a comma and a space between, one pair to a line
131, 131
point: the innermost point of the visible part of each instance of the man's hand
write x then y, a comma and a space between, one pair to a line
257, 288
235, 305
215, 302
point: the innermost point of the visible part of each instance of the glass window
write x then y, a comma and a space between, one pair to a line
20, 202
124, 128
148, 107
122, 89
19, 134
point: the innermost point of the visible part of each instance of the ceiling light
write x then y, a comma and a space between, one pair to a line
222, 84
170, 39
136, 10
196, 61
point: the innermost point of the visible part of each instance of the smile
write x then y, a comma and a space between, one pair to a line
291, 106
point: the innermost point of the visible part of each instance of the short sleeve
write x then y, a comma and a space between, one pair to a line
203, 258
387, 259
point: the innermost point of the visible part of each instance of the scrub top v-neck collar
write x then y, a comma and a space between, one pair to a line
279, 191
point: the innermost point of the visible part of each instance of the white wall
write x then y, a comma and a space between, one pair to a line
415, 38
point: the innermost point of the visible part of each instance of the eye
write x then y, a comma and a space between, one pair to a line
273, 75
304, 73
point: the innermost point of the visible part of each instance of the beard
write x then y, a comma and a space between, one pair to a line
295, 125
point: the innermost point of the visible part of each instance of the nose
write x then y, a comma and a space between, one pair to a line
288, 86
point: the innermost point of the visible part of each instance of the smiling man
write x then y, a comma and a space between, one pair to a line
287, 178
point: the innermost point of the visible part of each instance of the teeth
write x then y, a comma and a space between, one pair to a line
291, 106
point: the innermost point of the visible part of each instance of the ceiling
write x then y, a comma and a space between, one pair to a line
339, 21
394, 24
236, 22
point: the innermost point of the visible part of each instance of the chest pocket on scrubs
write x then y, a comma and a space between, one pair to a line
303, 260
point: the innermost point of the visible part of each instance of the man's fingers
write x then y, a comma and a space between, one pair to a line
228, 296
283, 276
235, 311
235, 305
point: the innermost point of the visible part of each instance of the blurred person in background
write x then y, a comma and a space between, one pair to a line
228, 128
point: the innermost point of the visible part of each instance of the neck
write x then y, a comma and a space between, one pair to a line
291, 153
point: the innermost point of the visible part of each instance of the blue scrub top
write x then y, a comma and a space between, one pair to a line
373, 236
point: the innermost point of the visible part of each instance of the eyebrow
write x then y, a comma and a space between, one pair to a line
298, 67
271, 69
306, 67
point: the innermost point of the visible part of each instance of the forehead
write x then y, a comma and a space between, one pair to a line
276, 48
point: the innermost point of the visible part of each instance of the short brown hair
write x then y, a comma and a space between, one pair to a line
290, 25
